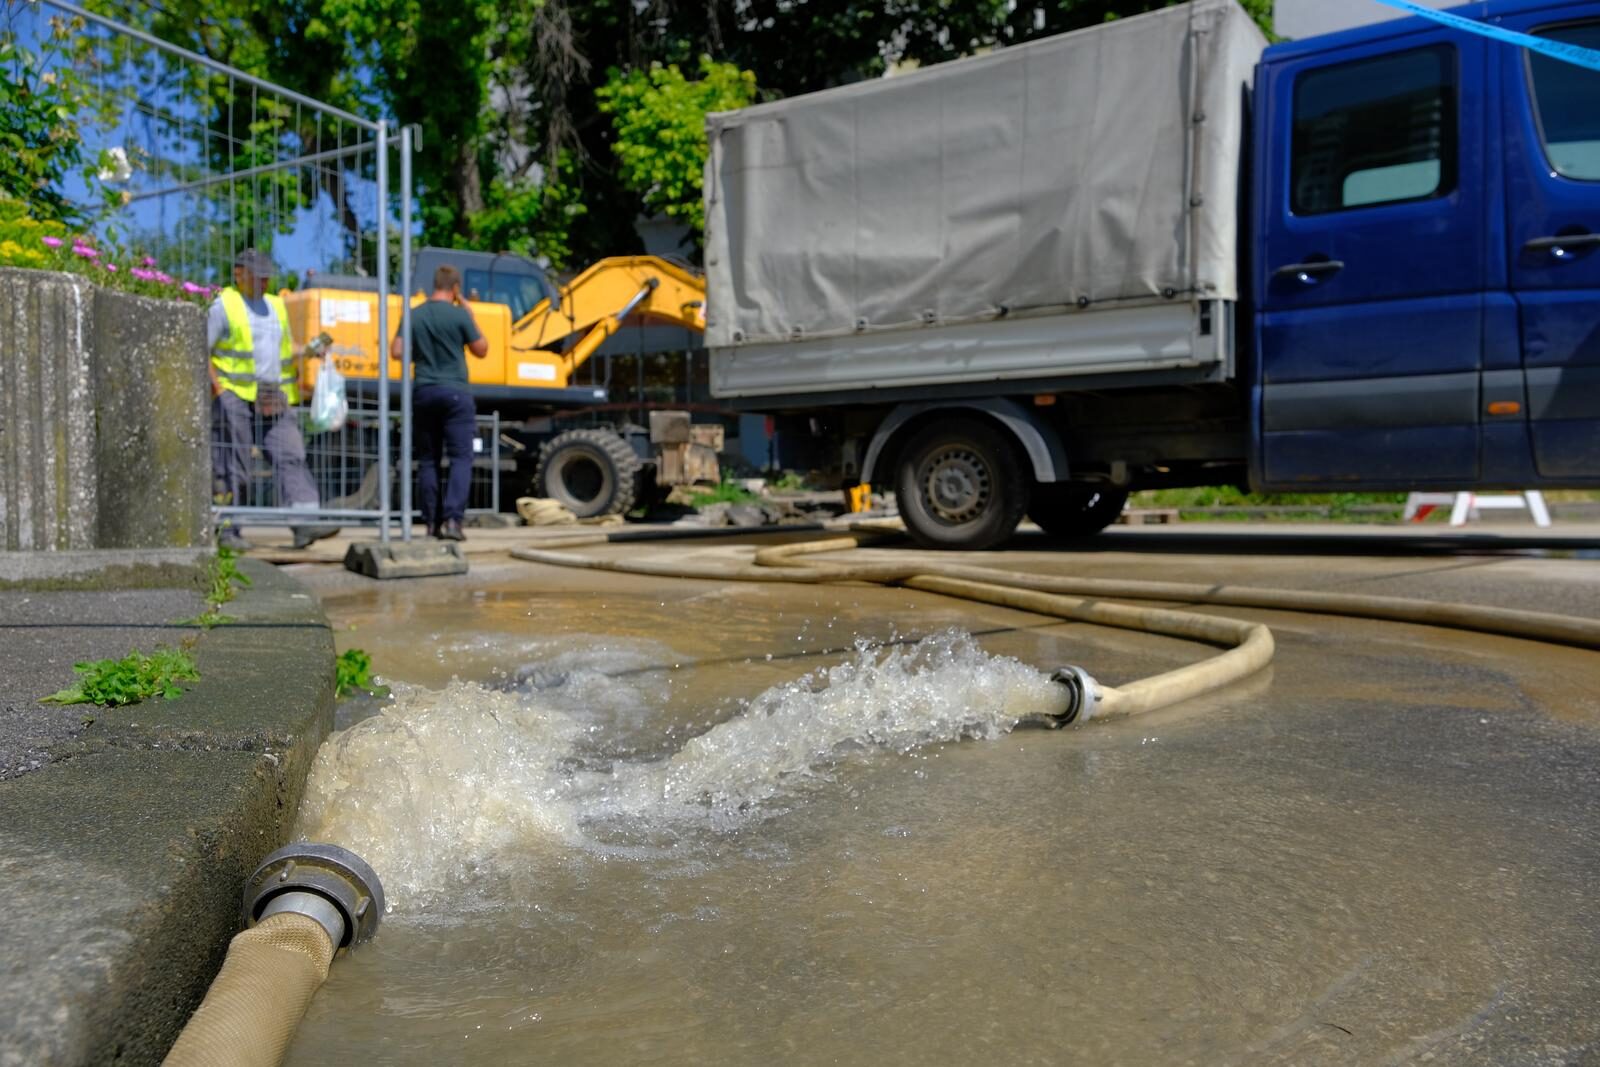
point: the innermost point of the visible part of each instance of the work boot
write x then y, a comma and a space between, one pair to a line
451, 531
306, 536
229, 538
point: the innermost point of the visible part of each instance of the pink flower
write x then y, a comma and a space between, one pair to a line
191, 287
148, 261
142, 274
85, 251
112, 267
51, 242
164, 278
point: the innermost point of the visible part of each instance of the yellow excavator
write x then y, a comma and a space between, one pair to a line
539, 333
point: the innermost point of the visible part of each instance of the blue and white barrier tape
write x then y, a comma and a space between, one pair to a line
1571, 53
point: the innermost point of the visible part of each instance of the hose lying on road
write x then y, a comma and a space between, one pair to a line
1062, 597
1505, 622
1249, 644
304, 903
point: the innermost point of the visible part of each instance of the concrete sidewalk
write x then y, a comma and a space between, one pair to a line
125, 841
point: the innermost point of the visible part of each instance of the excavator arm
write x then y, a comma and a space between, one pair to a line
593, 306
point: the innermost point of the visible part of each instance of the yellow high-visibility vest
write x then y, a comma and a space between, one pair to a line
235, 354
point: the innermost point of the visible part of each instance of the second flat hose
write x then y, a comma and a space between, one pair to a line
1251, 645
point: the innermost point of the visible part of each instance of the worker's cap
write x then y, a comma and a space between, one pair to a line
257, 263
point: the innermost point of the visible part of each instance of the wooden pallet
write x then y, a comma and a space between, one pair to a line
1147, 516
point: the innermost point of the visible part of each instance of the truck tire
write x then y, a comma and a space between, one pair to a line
959, 484
1067, 510
591, 472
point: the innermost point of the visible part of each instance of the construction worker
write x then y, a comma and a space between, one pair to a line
254, 384
444, 416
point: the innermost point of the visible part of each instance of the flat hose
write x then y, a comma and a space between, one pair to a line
1251, 643
1542, 626
258, 998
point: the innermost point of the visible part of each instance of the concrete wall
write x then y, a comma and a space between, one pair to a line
104, 417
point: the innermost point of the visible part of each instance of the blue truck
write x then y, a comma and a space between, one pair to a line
1160, 253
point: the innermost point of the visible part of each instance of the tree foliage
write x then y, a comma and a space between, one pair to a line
40, 100
659, 118
550, 127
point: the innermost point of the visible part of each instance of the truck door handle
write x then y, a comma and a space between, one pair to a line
1563, 246
1307, 273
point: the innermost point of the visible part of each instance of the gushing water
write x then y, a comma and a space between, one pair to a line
443, 781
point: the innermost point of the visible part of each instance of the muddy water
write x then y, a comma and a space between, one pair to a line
623, 834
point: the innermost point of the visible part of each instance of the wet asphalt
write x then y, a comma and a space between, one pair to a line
1383, 849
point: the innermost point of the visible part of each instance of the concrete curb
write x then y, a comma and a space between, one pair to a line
125, 858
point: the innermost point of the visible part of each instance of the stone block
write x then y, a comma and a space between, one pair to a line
104, 418
49, 494
398, 559
152, 405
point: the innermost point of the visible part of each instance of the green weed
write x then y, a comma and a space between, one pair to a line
354, 674
223, 581
788, 482
727, 493
116, 682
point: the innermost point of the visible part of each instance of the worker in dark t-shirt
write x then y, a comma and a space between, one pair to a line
444, 417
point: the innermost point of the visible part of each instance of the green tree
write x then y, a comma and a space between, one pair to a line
529, 141
42, 93
659, 118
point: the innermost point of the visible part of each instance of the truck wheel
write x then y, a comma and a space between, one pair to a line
591, 472
1067, 510
960, 485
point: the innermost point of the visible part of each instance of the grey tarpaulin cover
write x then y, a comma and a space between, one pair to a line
1021, 181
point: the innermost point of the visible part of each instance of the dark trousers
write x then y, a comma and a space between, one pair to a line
444, 421
236, 426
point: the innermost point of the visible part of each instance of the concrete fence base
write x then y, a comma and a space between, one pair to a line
104, 417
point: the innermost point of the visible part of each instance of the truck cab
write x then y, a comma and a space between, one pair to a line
1426, 269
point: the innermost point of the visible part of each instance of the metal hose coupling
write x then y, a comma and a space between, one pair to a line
326, 883
1083, 695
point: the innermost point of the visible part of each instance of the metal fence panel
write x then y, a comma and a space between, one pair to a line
195, 161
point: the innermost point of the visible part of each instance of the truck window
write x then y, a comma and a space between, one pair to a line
1567, 104
1374, 131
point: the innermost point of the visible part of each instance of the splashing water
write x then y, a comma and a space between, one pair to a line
442, 780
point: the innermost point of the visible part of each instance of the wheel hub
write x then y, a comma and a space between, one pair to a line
957, 485
582, 478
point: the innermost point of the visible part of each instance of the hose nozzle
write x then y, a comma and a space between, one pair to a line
332, 885
1083, 696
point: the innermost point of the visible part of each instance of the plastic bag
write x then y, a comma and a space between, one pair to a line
328, 404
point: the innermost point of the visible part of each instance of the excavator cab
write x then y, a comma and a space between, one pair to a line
488, 278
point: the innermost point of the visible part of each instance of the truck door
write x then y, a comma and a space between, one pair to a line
1552, 161
1372, 273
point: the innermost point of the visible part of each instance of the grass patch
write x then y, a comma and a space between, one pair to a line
1338, 505
789, 482
353, 674
114, 683
729, 492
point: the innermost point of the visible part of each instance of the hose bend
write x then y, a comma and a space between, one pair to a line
1249, 645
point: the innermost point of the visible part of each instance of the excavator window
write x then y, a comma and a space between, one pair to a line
520, 292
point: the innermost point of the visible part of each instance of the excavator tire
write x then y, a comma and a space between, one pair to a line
592, 472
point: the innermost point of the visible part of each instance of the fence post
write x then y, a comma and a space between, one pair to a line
406, 282
494, 486
383, 333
